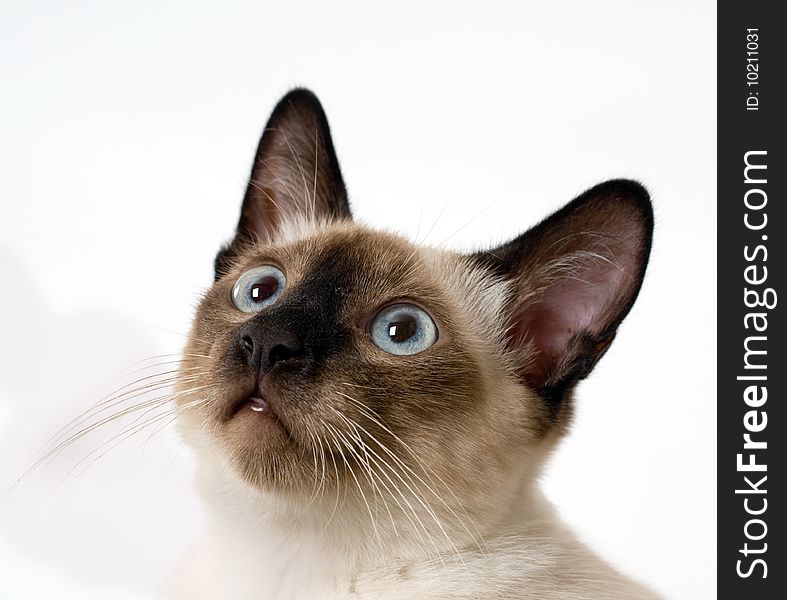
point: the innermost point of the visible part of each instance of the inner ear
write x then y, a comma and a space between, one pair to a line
295, 175
574, 278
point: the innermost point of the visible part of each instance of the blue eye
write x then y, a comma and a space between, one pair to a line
403, 329
257, 288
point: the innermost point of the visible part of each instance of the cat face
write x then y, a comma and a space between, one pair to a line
323, 364
328, 356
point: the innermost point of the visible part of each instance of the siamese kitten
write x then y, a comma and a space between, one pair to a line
369, 416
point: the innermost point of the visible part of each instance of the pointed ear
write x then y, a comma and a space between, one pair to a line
574, 277
295, 174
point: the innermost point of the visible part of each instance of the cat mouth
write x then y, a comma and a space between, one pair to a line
255, 406
253, 402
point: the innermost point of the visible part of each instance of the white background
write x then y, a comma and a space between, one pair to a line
126, 134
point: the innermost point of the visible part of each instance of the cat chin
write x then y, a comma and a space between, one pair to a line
250, 447
260, 451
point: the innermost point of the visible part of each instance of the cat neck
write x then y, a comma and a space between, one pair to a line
403, 521
267, 546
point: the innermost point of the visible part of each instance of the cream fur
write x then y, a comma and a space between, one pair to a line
256, 547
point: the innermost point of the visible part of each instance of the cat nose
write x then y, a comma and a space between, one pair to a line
264, 345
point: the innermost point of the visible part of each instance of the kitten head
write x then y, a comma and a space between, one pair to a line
330, 356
